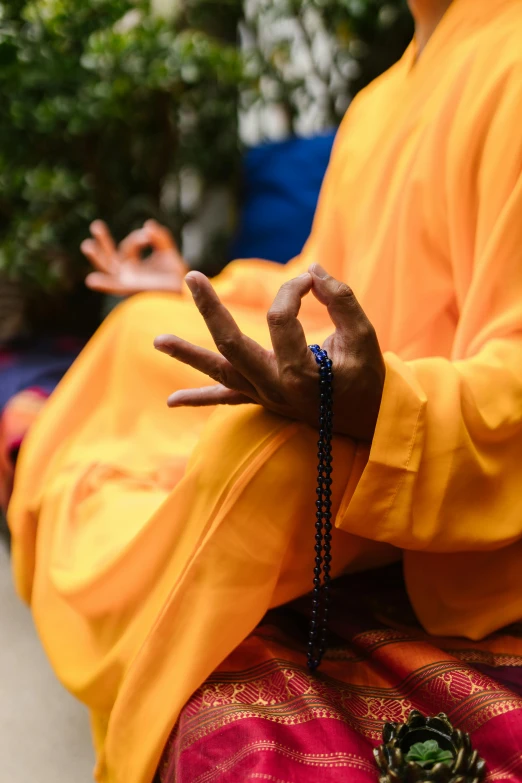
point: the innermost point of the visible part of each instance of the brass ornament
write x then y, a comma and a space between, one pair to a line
465, 765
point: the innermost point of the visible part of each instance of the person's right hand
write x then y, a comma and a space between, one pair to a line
285, 380
122, 271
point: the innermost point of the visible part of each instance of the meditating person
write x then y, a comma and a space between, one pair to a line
150, 540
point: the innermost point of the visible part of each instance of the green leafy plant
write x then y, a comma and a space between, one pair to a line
427, 754
315, 55
109, 110
104, 108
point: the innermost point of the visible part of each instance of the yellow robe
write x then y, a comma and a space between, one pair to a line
149, 542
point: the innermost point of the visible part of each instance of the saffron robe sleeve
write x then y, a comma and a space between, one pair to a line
444, 472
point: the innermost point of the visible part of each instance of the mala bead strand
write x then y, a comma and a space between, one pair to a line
317, 638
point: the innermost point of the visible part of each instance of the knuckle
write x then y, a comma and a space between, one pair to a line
227, 346
217, 374
345, 292
292, 381
277, 317
367, 331
206, 309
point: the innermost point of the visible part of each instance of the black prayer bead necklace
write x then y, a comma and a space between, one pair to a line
323, 516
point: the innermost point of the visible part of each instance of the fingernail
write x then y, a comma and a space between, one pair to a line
192, 284
159, 342
319, 272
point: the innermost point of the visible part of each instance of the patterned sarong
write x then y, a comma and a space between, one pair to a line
262, 717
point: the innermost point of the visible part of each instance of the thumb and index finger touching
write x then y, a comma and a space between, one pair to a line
286, 331
287, 334
158, 236
102, 251
106, 257
152, 235
345, 311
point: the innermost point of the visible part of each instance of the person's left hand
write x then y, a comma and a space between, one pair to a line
286, 380
121, 270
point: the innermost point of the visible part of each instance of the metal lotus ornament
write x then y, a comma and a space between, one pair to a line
427, 750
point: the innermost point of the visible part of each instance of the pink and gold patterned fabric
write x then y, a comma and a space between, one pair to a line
15, 420
262, 717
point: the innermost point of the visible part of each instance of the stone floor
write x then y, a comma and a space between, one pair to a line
44, 733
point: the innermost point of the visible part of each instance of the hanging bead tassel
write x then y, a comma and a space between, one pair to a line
317, 638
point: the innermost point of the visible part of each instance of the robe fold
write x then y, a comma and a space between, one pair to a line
150, 542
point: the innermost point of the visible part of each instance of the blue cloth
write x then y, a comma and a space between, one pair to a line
281, 184
39, 363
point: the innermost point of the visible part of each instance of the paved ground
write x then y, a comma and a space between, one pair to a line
44, 733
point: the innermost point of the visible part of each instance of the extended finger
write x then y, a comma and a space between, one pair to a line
208, 362
244, 354
103, 236
286, 332
92, 250
205, 396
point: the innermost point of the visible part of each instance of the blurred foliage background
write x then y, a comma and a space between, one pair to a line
310, 57
110, 109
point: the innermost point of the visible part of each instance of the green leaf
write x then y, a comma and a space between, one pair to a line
427, 754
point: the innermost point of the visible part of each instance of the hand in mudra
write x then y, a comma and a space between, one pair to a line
122, 270
285, 380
